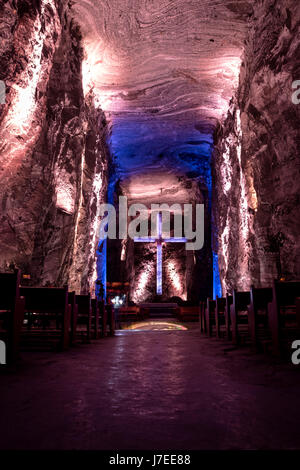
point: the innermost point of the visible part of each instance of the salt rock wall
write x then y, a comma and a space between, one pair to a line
53, 155
256, 161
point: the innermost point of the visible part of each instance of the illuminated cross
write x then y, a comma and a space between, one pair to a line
159, 240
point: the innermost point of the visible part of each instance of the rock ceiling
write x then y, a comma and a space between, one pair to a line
164, 72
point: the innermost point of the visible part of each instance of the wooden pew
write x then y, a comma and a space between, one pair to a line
202, 316
84, 316
110, 319
239, 315
74, 314
283, 318
47, 316
144, 313
210, 316
95, 318
220, 320
220, 316
259, 330
188, 313
102, 318
11, 314
229, 301
130, 313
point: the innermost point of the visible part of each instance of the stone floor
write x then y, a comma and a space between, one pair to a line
171, 389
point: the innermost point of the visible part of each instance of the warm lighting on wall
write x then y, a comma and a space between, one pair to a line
143, 280
228, 70
123, 250
76, 284
175, 280
243, 196
95, 228
226, 167
65, 191
225, 252
100, 68
243, 212
21, 126
247, 198
21, 113
252, 195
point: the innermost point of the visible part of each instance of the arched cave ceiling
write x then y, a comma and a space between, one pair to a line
164, 72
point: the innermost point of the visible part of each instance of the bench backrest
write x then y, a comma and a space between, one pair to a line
45, 299
95, 305
211, 305
187, 309
71, 298
84, 304
72, 301
101, 305
9, 289
261, 297
229, 300
129, 309
221, 304
241, 300
285, 293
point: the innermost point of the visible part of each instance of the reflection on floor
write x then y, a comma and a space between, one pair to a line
152, 325
158, 390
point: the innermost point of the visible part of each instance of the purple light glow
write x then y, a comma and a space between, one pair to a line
175, 240
159, 269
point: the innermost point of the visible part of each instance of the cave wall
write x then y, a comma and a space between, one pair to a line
256, 160
53, 155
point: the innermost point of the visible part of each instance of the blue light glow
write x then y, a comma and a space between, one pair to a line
102, 247
102, 265
217, 288
141, 142
138, 144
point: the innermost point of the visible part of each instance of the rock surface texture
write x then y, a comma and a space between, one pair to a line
164, 73
256, 162
53, 155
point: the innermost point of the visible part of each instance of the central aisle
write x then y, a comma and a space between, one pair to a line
150, 390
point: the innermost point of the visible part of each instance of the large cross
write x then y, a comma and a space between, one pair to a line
159, 240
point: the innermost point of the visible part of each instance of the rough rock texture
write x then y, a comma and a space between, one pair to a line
53, 156
163, 71
257, 157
